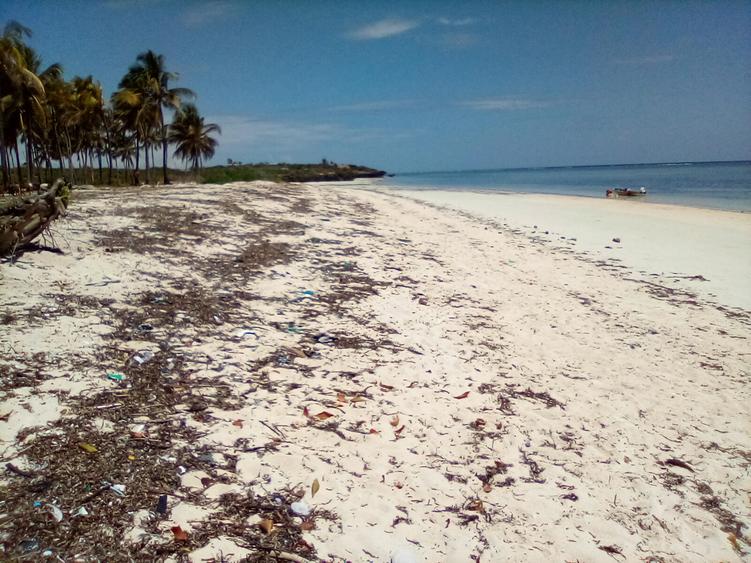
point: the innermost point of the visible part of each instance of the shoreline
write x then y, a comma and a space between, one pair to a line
655, 239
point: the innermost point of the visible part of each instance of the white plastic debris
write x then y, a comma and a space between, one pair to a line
80, 512
57, 514
143, 356
301, 508
119, 490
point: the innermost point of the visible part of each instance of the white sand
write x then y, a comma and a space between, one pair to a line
671, 241
552, 377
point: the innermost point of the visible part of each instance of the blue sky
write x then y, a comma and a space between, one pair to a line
439, 85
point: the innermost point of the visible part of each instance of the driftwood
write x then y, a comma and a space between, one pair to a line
22, 219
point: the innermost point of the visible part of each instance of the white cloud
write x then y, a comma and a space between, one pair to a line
456, 22
504, 104
647, 60
200, 14
374, 106
384, 28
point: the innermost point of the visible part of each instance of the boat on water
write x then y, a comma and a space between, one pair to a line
625, 192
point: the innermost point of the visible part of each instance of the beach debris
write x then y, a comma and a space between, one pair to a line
145, 327
238, 423
115, 376
80, 512
324, 338
22, 219
266, 525
323, 415
161, 505
143, 356
246, 333
570, 496
479, 424
611, 549
179, 533
399, 430
88, 448
301, 508
56, 513
119, 490
475, 505
423, 301
463, 395
616, 239
395, 420
29, 546
314, 487
292, 328
678, 463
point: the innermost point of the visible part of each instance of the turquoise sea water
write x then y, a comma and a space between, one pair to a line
714, 185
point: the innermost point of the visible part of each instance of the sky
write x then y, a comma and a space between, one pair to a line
440, 85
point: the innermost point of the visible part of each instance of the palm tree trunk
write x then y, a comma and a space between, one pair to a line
164, 150
146, 156
18, 163
135, 170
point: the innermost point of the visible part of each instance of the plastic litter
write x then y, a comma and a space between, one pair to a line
161, 505
57, 514
181, 470
325, 338
246, 333
29, 546
119, 490
143, 356
301, 508
80, 512
294, 329
114, 376
145, 327
38, 504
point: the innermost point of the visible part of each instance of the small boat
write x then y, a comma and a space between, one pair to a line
625, 192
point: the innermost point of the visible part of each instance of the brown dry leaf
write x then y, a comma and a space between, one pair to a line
399, 430
374, 431
206, 482
357, 399
386, 387
238, 423
323, 415
138, 435
479, 424
463, 395
307, 525
266, 525
180, 534
395, 421
341, 398
314, 487
476, 505
5, 417
487, 487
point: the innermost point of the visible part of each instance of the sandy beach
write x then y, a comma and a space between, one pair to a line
339, 373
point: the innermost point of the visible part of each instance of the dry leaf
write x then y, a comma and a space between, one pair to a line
374, 431
5, 417
476, 505
386, 387
398, 484
180, 534
238, 423
395, 421
479, 424
487, 487
357, 399
266, 525
399, 430
341, 398
88, 448
306, 412
323, 415
463, 395
206, 482
307, 525
314, 487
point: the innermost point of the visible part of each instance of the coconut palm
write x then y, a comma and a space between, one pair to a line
192, 136
150, 80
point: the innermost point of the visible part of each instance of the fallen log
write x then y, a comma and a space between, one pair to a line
22, 219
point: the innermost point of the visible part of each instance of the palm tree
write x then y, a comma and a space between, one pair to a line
192, 136
149, 79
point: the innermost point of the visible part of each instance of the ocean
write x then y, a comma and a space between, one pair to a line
713, 185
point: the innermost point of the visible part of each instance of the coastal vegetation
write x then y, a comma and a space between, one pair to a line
68, 128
